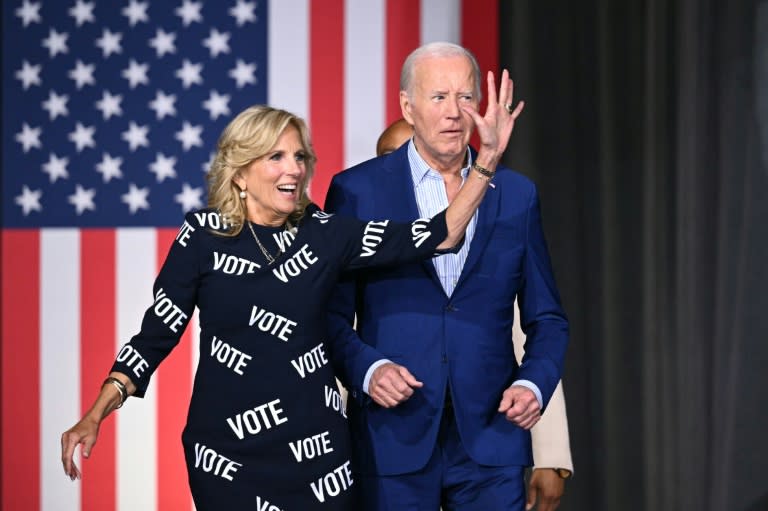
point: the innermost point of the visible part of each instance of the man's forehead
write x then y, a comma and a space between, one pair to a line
436, 73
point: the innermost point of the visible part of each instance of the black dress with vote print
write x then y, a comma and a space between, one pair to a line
265, 428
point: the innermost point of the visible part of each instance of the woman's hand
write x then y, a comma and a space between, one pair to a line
495, 127
83, 433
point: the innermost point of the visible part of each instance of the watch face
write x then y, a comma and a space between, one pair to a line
563, 472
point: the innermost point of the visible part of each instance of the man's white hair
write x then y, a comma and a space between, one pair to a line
438, 49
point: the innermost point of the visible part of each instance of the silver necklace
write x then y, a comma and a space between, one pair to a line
270, 259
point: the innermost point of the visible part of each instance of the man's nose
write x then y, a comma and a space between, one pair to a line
452, 108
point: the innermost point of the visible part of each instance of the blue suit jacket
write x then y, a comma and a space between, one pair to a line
463, 341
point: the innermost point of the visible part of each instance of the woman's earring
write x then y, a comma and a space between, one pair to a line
242, 194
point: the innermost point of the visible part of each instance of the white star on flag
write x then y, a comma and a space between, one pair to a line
82, 12
29, 137
136, 136
56, 167
109, 167
109, 105
163, 42
109, 42
243, 12
217, 42
82, 199
189, 12
190, 136
56, 43
29, 74
56, 105
82, 137
189, 74
243, 73
162, 167
163, 104
190, 197
82, 74
217, 104
29, 12
136, 198
207, 164
136, 74
29, 200
136, 12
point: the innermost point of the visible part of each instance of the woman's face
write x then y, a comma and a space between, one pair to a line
273, 183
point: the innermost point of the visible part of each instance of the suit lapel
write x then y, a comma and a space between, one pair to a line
398, 203
486, 220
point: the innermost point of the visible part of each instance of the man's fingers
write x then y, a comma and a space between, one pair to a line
410, 379
507, 88
474, 114
505, 404
392, 384
491, 88
518, 109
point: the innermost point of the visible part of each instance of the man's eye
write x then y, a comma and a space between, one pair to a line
438, 98
467, 97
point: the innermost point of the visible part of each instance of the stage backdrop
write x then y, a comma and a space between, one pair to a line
111, 111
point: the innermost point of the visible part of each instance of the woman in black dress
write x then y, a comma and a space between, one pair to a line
265, 429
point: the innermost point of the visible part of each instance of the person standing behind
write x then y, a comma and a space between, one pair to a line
552, 462
439, 408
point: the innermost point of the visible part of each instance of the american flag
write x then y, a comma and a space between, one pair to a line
111, 112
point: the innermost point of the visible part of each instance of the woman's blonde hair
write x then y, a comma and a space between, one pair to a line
248, 137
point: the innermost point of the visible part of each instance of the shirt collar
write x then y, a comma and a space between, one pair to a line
420, 169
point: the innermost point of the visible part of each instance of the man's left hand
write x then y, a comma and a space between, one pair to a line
520, 406
546, 487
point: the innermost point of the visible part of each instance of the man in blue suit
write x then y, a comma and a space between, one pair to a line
439, 408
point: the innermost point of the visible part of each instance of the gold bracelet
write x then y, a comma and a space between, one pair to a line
120, 386
483, 171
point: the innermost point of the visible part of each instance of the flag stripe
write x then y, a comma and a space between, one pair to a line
97, 327
288, 56
364, 79
136, 430
326, 90
173, 389
440, 21
403, 36
20, 364
484, 43
59, 359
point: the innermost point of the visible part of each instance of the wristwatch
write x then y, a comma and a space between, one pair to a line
564, 473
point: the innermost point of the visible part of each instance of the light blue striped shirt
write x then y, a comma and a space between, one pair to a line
431, 197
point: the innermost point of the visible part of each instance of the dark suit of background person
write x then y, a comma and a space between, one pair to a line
458, 343
550, 440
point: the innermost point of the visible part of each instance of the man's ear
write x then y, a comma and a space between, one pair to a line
405, 107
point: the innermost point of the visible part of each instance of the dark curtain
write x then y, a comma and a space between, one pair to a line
646, 130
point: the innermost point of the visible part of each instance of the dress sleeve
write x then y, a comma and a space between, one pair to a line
384, 243
174, 299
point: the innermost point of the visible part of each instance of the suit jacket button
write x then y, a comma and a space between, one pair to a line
450, 308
